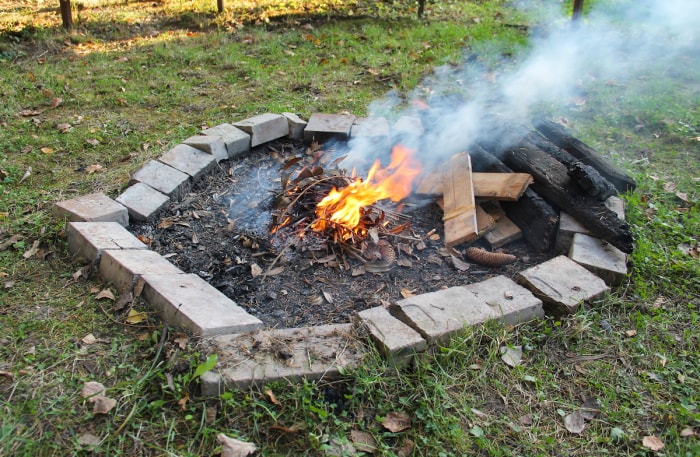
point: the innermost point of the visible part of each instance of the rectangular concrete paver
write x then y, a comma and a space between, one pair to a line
143, 202
397, 342
163, 178
189, 160
188, 301
322, 127
296, 126
213, 145
123, 268
288, 355
562, 284
599, 257
264, 127
372, 127
568, 227
96, 207
87, 240
236, 140
508, 301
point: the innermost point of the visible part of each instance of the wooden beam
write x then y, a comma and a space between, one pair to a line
485, 222
488, 186
458, 195
504, 230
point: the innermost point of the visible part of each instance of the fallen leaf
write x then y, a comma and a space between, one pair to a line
272, 397
64, 127
135, 317
363, 441
231, 447
92, 388
105, 293
652, 442
88, 439
404, 262
92, 141
255, 270
407, 449
9, 284
406, 293
575, 422
181, 341
275, 271
10, 242
525, 419
590, 408
90, 169
56, 102
26, 175
31, 252
102, 404
686, 432
183, 401
512, 356
327, 296
89, 339
631, 333
29, 112
397, 421
47, 150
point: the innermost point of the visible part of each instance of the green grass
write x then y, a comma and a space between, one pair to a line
135, 78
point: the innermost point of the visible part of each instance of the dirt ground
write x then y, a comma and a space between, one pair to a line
221, 231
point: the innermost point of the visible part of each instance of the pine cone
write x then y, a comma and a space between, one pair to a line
489, 259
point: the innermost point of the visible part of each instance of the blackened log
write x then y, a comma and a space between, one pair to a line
561, 137
531, 213
553, 183
585, 176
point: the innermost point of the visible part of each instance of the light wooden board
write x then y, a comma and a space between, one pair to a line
491, 186
458, 200
484, 221
504, 230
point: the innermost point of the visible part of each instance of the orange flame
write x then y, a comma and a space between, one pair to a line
343, 207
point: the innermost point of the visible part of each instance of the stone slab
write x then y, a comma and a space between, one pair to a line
189, 160
407, 125
296, 126
87, 240
236, 140
188, 301
562, 284
123, 268
616, 205
439, 315
163, 178
397, 342
264, 127
287, 355
568, 226
372, 127
96, 207
322, 127
143, 201
213, 145
600, 258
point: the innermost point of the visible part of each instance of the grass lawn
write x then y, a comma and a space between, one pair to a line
81, 110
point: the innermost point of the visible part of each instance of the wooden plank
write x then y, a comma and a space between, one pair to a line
458, 196
504, 230
484, 222
490, 186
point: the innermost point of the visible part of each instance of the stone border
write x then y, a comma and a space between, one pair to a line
252, 355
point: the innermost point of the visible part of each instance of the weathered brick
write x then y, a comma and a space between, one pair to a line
562, 284
143, 201
288, 355
397, 342
87, 240
213, 145
188, 301
296, 126
163, 178
264, 127
95, 207
236, 140
322, 127
123, 268
568, 227
370, 127
599, 257
189, 160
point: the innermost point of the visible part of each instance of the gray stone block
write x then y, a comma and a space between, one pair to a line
296, 126
87, 240
189, 160
143, 201
562, 284
236, 140
213, 145
599, 257
508, 301
163, 178
264, 127
616, 205
188, 301
397, 342
322, 127
568, 227
407, 125
95, 207
287, 355
123, 268
372, 127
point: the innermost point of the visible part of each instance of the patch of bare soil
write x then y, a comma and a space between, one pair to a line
221, 231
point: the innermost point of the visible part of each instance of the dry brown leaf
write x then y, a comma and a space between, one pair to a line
631, 333
47, 150
90, 169
231, 447
31, 252
404, 262
575, 422
92, 141
88, 439
102, 404
29, 112
56, 102
183, 401
89, 339
105, 293
525, 420
135, 317
405, 293
459, 264
9, 284
271, 396
512, 356
327, 296
181, 341
255, 270
652, 442
92, 388
686, 432
407, 449
363, 441
6, 244
275, 271
397, 421
64, 127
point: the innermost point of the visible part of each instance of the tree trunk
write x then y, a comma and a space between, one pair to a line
578, 10
220, 6
66, 14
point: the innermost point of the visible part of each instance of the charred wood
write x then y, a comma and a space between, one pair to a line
535, 217
558, 135
554, 184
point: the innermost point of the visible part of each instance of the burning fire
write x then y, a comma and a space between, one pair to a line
344, 206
